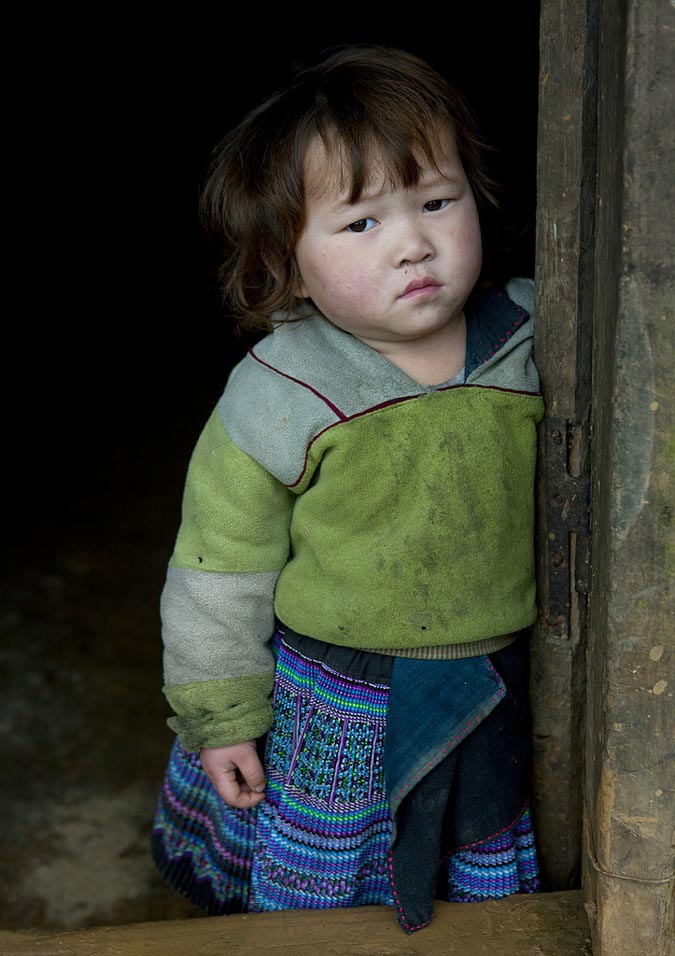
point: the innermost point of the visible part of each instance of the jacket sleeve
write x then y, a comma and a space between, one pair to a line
217, 605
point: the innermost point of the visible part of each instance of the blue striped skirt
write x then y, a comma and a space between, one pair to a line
320, 839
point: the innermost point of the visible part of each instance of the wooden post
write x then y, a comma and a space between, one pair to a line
630, 777
563, 310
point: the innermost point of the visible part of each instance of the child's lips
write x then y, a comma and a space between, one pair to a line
420, 287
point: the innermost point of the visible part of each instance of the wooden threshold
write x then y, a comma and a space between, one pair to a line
548, 924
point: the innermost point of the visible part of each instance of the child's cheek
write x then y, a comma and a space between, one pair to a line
361, 298
473, 240
358, 282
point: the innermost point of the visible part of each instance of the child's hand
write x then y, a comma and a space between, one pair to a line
236, 773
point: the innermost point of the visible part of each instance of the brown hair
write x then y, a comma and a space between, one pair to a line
363, 99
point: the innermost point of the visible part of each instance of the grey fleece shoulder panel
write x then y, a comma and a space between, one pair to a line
512, 366
272, 417
298, 381
346, 372
521, 291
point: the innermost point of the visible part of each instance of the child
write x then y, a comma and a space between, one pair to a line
344, 611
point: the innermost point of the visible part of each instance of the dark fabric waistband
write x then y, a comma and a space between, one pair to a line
377, 666
358, 665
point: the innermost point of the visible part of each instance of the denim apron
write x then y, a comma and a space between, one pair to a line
457, 764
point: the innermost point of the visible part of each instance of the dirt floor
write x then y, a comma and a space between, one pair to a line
84, 739
108, 397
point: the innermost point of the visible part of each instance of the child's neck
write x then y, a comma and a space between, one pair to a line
433, 359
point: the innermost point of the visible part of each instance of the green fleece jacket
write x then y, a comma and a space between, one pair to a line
333, 492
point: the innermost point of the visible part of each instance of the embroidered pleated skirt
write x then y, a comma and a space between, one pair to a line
321, 838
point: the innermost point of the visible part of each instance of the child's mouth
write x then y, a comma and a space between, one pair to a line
419, 287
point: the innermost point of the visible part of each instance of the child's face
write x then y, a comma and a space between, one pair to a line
399, 264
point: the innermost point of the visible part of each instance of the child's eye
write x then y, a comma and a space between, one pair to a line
362, 225
435, 204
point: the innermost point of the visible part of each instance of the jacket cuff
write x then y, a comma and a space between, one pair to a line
220, 713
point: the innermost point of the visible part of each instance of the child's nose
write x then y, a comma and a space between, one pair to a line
414, 245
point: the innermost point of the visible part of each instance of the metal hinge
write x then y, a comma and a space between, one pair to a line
568, 521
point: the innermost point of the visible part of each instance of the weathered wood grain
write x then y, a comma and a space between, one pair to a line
545, 925
563, 328
630, 750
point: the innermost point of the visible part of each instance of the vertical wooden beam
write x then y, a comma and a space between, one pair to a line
630, 779
563, 309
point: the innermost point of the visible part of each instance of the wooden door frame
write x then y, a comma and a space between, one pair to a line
604, 644
564, 310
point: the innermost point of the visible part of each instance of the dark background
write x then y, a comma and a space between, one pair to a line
116, 350
128, 330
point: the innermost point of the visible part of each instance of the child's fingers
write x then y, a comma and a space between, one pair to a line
251, 770
236, 773
235, 794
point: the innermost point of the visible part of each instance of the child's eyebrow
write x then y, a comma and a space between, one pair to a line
449, 178
442, 180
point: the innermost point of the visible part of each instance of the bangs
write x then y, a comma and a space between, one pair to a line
383, 107
395, 154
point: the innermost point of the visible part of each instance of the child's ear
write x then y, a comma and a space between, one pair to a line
288, 276
300, 290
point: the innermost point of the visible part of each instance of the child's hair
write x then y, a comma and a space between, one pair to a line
361, 101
